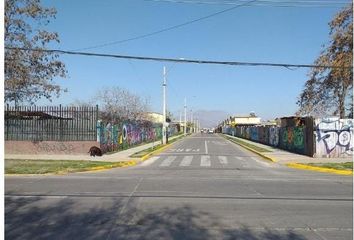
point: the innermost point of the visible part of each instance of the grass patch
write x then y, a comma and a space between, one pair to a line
20, 166
254, 147
337, 166
126, 148
156, 147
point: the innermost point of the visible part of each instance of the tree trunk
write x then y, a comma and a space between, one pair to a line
341, 106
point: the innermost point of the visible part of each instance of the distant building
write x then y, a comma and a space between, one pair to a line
251, 119
153, 117
269, 123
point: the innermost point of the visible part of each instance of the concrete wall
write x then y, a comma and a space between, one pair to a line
49, 147
293, 139
113, 137
325, 137
334, 137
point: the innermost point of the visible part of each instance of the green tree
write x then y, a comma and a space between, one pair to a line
329, 90
29, 74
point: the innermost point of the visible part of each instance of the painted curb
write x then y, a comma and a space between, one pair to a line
256, 152
147, 156
318, 169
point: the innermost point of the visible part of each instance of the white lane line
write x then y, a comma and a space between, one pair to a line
168, 161
223, 160
186, 161
150, 161
205, 161
206, 147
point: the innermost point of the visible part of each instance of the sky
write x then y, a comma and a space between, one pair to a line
292, 35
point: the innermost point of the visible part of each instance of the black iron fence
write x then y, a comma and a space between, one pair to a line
53, 123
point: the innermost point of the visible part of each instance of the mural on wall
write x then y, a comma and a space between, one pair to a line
287, 138
274, 136
114, 137
292, 139
334, 137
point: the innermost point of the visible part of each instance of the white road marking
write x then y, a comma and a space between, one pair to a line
206, 147
195, 150
223, 160
167, 162
150, 161
260, 161
186, 161
240, 158
205, 161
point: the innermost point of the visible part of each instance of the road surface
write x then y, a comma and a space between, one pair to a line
203, 187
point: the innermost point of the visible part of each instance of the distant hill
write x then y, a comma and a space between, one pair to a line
210, 118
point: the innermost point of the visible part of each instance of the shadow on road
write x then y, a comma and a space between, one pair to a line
83, 218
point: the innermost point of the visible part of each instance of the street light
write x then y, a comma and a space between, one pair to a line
164, 125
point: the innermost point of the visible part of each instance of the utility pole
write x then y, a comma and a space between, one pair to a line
185, 116
192, 127
164, 132
180, 119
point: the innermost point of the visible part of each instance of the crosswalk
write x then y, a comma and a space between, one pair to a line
203, 161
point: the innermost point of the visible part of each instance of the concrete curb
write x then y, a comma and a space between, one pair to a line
254, 151
318, 169
147, 156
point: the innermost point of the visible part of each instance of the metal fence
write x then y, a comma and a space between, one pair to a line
53, 123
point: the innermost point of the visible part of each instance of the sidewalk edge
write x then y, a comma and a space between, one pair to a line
318, 169
273, 160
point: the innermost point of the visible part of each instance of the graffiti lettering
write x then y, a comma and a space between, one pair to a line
57, 147
334, 137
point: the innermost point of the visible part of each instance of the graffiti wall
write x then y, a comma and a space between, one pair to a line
292, 139
114, 137
295, 135
273, 136
325, 137
334, 137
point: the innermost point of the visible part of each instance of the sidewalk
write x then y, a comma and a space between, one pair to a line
284, 157
114, 157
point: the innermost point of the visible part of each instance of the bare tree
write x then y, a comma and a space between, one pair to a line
117, 104
29, 74
328, 91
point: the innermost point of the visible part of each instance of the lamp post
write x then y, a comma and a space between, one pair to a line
164, 132
185, 116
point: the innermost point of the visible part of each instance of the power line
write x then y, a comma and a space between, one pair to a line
182, 60
263, 3
166, 29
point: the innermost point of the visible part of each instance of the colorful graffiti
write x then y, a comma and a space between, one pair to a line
325, 137
293, 139
114, 137
334, 137
273, 136
288, 138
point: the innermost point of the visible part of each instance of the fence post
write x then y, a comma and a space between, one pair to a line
60, 124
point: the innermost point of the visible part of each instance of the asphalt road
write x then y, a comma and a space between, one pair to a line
203, 187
